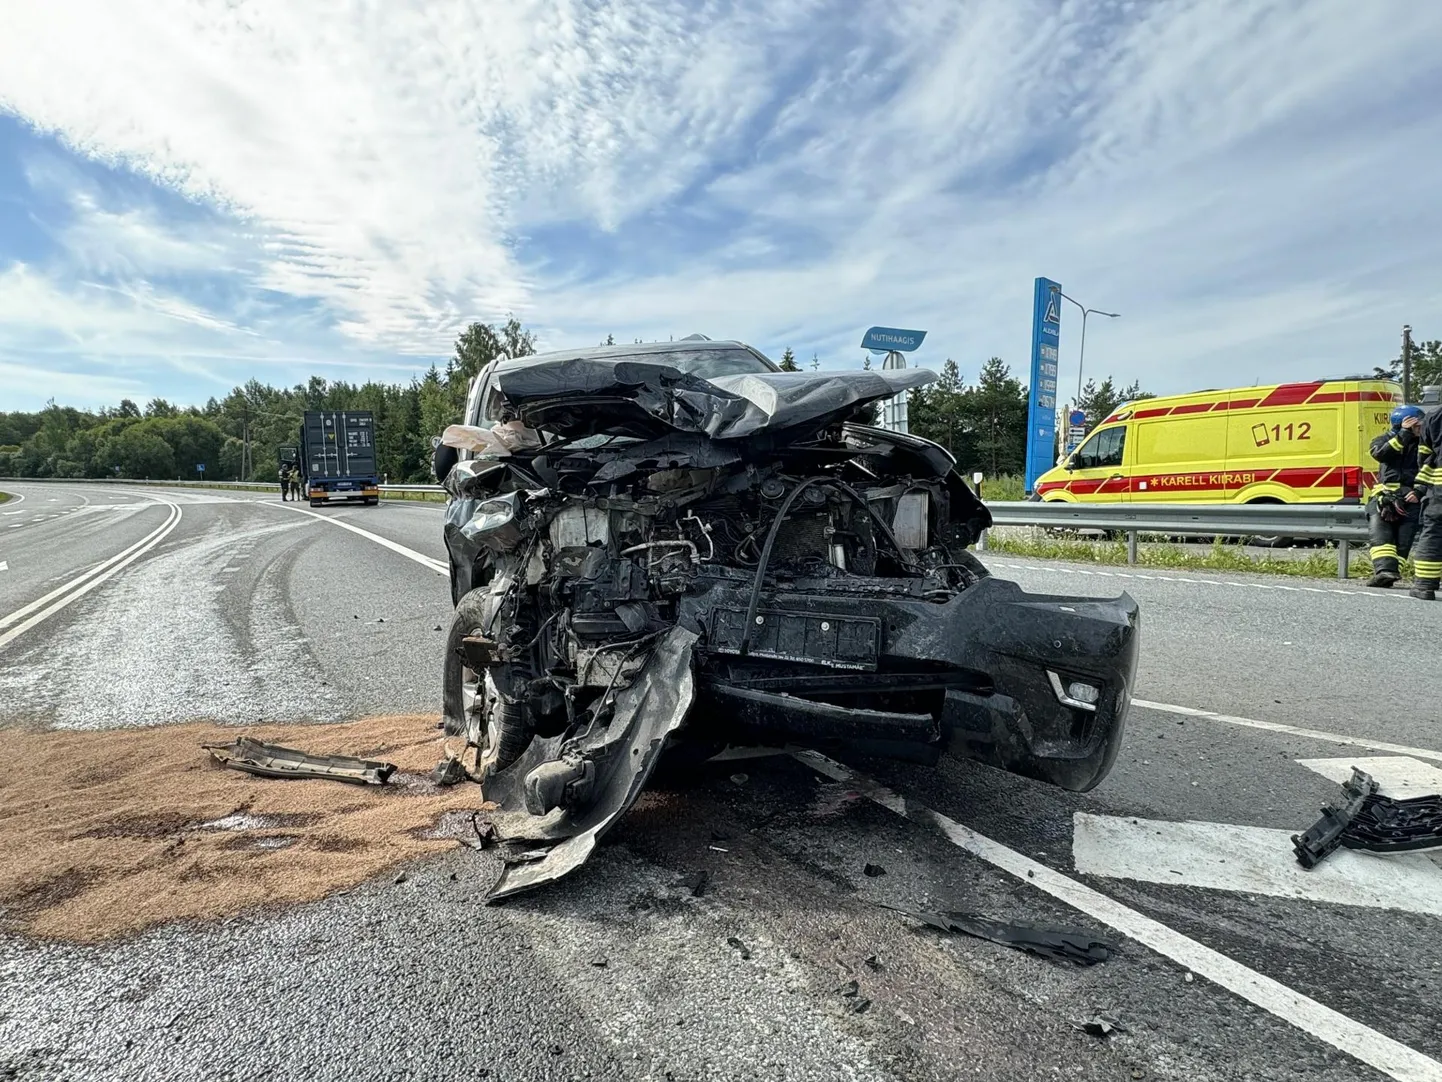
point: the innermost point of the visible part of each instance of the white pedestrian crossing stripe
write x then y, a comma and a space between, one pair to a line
1260, 860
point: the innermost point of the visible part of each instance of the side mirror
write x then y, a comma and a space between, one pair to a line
1071, 462
443, 460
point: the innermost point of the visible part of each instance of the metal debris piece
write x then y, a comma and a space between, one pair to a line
873, 962
740, 947
850, 990
874, 870
274, 761
1368, 820
449, 771
1057, 944
1100, 1025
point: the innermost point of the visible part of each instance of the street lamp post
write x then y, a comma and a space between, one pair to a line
1082, 355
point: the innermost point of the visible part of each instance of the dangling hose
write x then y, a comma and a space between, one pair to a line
775, 530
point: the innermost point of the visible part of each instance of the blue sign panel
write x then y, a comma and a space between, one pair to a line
1041, 414
886, 339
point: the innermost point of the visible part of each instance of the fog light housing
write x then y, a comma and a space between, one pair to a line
1076, 693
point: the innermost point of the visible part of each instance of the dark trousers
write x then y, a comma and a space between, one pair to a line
1427, 552
1391, 541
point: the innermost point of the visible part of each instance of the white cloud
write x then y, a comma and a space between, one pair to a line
1235, 177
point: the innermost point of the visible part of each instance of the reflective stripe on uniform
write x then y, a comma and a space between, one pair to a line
1427, 569
1395, 443
1380, 551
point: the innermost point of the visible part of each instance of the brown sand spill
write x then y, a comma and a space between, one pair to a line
108, 833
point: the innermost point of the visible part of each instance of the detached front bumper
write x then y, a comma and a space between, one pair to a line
1038, 685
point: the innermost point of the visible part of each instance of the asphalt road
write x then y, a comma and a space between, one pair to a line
233, 607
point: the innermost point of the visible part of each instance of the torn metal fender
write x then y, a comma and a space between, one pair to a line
625, 752
274, 761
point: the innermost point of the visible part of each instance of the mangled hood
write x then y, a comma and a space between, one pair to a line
583, 397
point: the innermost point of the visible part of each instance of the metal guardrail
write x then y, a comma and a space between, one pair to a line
251, 486
1344, 524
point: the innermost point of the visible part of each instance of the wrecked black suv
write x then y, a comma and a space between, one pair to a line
677, 547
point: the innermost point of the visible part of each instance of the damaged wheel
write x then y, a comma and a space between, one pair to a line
498, 729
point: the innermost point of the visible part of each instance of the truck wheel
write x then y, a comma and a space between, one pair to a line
316, 503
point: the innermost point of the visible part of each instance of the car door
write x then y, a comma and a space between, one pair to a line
1097, 468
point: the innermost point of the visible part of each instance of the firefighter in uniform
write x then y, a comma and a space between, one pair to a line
285, 468
1393, 512
1427, 552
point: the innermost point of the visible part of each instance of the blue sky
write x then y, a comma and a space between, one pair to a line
195, 194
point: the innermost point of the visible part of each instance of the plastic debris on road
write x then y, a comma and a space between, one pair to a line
1076, 945
1368, 820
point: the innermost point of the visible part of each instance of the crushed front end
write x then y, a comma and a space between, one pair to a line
690, 563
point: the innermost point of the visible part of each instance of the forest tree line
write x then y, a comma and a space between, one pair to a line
238, 437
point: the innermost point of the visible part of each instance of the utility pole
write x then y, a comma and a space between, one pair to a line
245, 440
1406, 363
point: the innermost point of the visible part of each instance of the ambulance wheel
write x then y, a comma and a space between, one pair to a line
1270, 541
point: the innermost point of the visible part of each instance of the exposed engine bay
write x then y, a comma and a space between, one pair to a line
644, 560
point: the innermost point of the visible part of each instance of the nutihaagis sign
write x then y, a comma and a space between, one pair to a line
886, 339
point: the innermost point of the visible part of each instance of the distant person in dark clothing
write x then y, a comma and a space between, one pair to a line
285, 476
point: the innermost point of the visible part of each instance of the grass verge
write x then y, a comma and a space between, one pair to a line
1318, 563
4, 496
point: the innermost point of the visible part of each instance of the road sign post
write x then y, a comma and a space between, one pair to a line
1076, 430
894, 342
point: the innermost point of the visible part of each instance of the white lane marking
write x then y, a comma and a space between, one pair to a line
16, 525
228, 570
1389, 1056
1398, 776
4, 566
98, 579
1291, 730
12, 512
1199, 582
1251, 860
26, 610
437, 566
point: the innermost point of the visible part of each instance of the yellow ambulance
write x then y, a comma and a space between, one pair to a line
1286, 443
